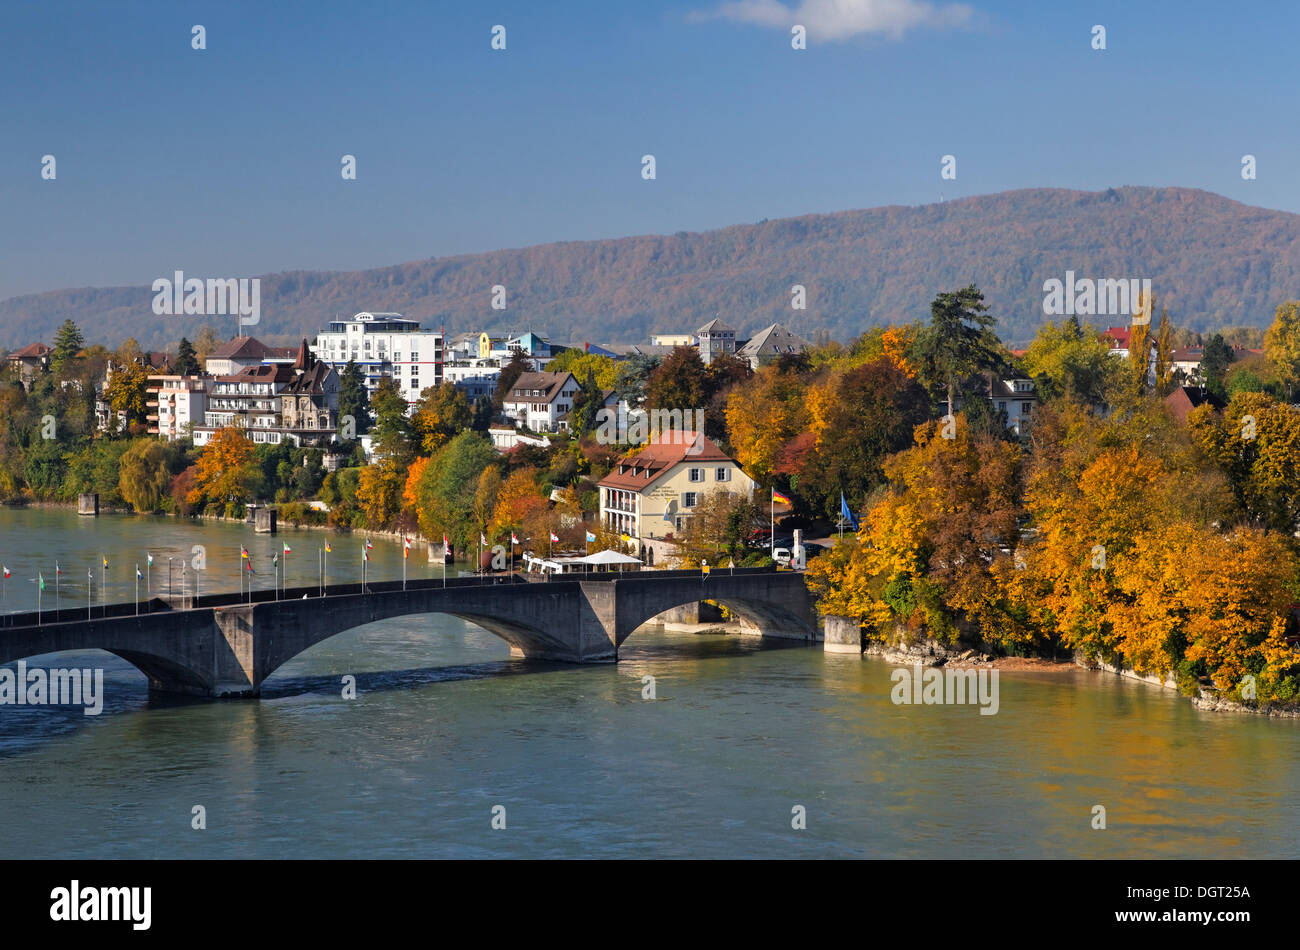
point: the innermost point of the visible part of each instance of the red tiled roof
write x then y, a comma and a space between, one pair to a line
31, 351
656, 458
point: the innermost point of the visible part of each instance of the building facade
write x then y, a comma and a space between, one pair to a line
651, 494
384, 345
540, 400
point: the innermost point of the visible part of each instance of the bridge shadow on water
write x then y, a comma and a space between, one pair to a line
27, 728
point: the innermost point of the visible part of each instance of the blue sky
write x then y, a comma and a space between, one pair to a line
225, 162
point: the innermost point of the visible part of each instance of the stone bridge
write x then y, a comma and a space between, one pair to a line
217, 645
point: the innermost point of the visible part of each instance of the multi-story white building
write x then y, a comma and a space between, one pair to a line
175, 402
385, 344
540, 400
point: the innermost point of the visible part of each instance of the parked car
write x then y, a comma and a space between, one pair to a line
782, 556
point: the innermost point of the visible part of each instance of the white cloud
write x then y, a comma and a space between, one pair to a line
832, 20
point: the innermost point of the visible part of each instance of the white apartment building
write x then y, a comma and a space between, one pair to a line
384, 344
175, 402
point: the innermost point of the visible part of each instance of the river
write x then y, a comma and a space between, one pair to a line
445, 727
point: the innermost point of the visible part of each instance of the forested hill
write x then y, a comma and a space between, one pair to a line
1212, 261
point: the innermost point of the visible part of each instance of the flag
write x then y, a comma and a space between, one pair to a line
57, 570
365, 555
250, 566
105, 562
780, 499
369, 546
42, 580
731, 564
328, 549
406, 547
482, 539
150, 561
590, 537
554, 537
445, 544
243, 553
513, 539
287, 549
704, 566
138, 575
6, 571
846, 514
275, 559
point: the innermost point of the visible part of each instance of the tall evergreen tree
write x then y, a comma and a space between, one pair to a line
68, 342
958, 343
510, 373
187, 364
354, 399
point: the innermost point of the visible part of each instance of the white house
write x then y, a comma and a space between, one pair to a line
540, 400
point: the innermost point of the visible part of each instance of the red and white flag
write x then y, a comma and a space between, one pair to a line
513, 539
6, 572
554, 537
445, 544
368, 544
406, 547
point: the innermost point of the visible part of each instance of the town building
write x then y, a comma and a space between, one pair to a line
30, 362
248, 399
1017, 398
242, 352
1186, 398
673, 339
175, 403
650, 495
309, 403
716, 338
538, 401
770, 344
385, 345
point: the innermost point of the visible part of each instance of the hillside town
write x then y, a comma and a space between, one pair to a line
924, 475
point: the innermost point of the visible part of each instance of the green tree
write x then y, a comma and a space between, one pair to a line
392, 430
354, 398
68, 342
187, 363
144, 475
1215, 359
958, 343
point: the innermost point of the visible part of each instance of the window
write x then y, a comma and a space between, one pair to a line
695, 475
690, 499
723, 475
415, 384
1002, 406
415, 356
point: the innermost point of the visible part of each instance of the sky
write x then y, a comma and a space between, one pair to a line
226, 161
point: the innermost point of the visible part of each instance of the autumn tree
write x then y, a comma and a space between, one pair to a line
226, 472
441, 413
856, 420
679, 382
1282, 342
354, 398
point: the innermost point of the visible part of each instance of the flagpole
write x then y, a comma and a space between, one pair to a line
40, 585
406, 552
103, 589
137, 588
771, 523
90, 591
57, 572
148, 584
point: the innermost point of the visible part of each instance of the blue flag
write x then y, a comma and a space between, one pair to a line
847, 515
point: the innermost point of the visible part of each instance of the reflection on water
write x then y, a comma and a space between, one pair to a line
446, 725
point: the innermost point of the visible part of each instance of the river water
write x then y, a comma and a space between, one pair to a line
446, 727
